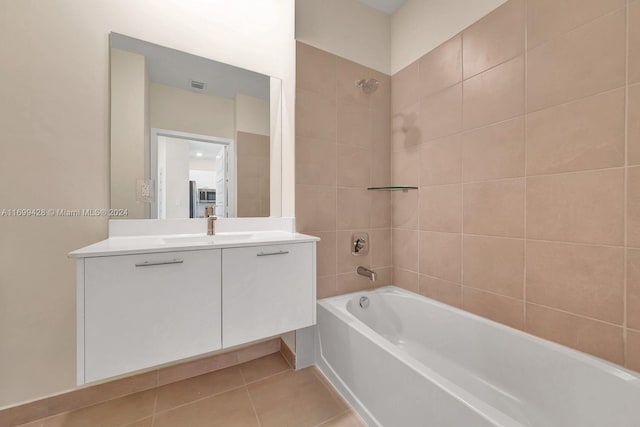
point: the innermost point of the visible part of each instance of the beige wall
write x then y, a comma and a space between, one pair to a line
342, 147
129, 129
252, 115
528, 209
347, 28
182, 110
55, 118
421, 25
253, 177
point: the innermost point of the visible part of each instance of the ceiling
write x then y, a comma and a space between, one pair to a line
175, 68
387, 6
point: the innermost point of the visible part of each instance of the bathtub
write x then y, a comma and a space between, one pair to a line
405, 360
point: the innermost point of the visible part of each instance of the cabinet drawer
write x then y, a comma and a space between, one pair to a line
267, 290
149, 309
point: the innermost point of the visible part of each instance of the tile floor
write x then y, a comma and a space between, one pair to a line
264, 392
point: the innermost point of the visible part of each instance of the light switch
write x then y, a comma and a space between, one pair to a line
144, 190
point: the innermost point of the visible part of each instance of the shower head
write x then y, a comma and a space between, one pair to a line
368, 85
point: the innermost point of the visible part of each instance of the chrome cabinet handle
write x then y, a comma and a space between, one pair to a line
273, 253
151, 264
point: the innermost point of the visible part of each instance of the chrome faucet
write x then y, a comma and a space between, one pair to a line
367, 273
210, 213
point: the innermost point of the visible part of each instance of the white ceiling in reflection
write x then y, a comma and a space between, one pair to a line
387, 6
175, 68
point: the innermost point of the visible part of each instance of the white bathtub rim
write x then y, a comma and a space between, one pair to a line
332, 303
474, 403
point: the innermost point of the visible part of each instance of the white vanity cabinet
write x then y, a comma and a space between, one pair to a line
149, 309
148, 301
267, 290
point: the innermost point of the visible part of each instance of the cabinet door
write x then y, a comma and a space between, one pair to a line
266, 290
148, 309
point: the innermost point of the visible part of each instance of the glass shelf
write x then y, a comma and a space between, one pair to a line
392, 188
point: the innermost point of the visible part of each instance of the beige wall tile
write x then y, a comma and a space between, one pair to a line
354, 206
406, 279
316, 161
581, 135
380, 248
591, 336
633, 123
494, 152
403, 87
315, 116
547, 19
441, 161
634, 42
494, 264
494, 95
380, 209
441, 290
347, 73
494, 39
440, 255
326, 250
405, 209
633, 350
494, 208
557, 71
585, 280
315, 70
354, 166
380, 175
584, 207
442, 67
354, 124
384, 276
508, 311
633, 207
381, 126
352, 282
348, 263
633, 288
405, 247
315, 208
405, 166
326, 287
405, 129
441, 113
441, 208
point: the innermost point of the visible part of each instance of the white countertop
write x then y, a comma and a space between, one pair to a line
187, 242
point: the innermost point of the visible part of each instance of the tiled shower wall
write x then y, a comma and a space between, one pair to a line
523, 134
342, 147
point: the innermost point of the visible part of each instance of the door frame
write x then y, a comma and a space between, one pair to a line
231, 162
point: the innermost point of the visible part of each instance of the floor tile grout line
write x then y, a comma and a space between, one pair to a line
335, 417
155, 406
236, 388
335, 394
253, 406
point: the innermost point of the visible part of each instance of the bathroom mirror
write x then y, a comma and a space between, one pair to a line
189, 132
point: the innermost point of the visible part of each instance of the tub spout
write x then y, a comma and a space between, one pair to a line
367, 273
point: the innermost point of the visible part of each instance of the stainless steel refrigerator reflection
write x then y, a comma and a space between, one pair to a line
193, 199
